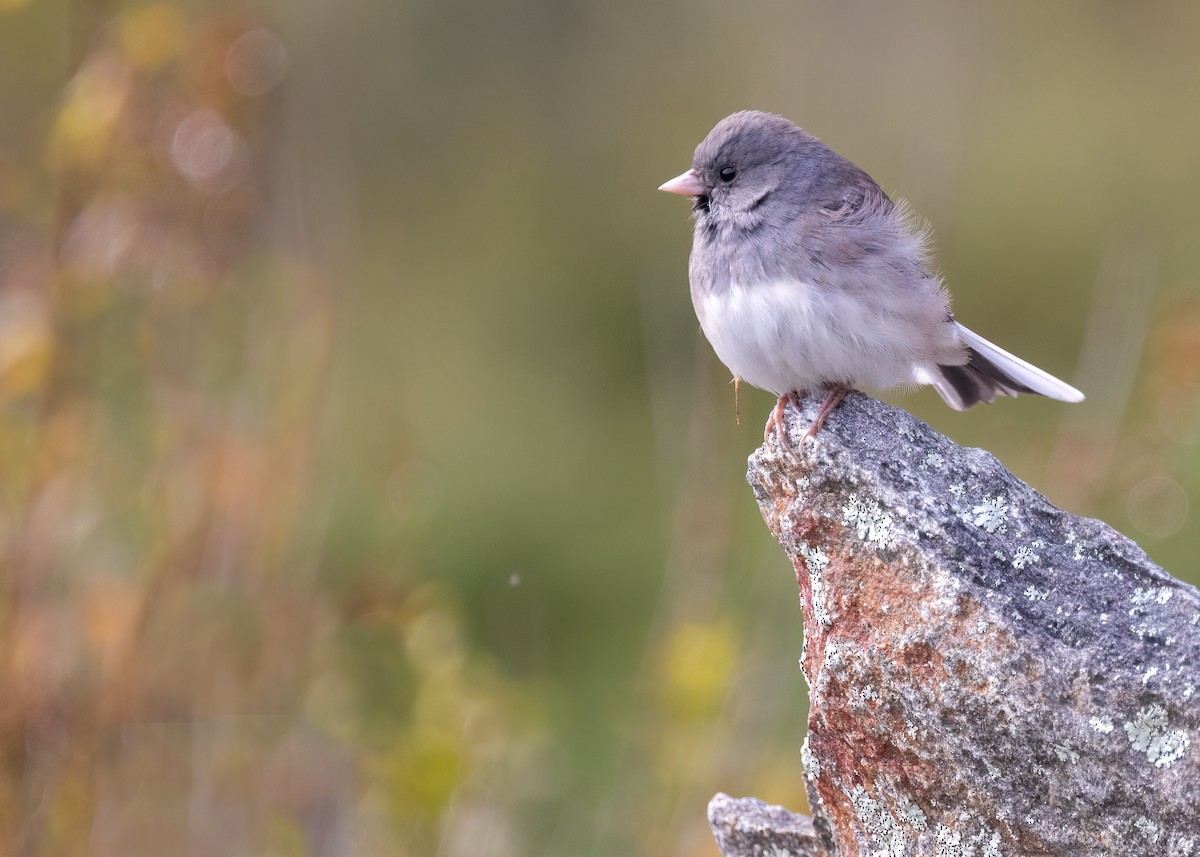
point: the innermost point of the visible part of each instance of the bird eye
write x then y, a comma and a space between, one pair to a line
727, 174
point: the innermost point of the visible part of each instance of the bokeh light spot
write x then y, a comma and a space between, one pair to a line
256, 62
206, 151
1158, 506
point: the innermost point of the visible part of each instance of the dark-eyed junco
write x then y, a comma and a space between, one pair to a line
805, 277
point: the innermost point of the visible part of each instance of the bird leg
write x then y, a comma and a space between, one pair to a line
836, 394
776, 421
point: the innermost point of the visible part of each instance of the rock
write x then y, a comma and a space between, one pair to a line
749, 826
988, 674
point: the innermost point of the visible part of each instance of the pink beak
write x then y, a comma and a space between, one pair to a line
688, 184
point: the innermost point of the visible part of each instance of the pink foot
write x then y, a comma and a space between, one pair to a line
836, 394
776, 422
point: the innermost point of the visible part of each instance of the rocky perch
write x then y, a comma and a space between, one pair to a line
988, 675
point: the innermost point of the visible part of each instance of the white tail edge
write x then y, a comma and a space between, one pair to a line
1028, 374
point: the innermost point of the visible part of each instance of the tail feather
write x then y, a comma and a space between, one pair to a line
991, 371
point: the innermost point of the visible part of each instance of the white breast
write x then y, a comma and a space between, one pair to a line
788, 335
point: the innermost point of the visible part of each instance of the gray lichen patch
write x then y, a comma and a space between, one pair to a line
954, 842
816, 560
911, 814
1148, 733
1023, 557
991, 514
1035, 594
1148, 829
812, 765
1182, 845
888, 837
871, 523
1150, 595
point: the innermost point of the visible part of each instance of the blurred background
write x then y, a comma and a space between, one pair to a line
365, 484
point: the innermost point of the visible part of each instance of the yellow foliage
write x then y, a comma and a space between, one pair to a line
94, 103
26, 351
696, 669
433, 638
70, 815
153, 36
283, 837
421, 774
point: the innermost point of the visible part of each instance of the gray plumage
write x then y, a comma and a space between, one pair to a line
805, 275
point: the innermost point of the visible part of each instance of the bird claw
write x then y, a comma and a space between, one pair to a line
832, 400
778, 423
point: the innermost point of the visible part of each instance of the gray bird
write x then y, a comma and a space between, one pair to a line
805, 276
